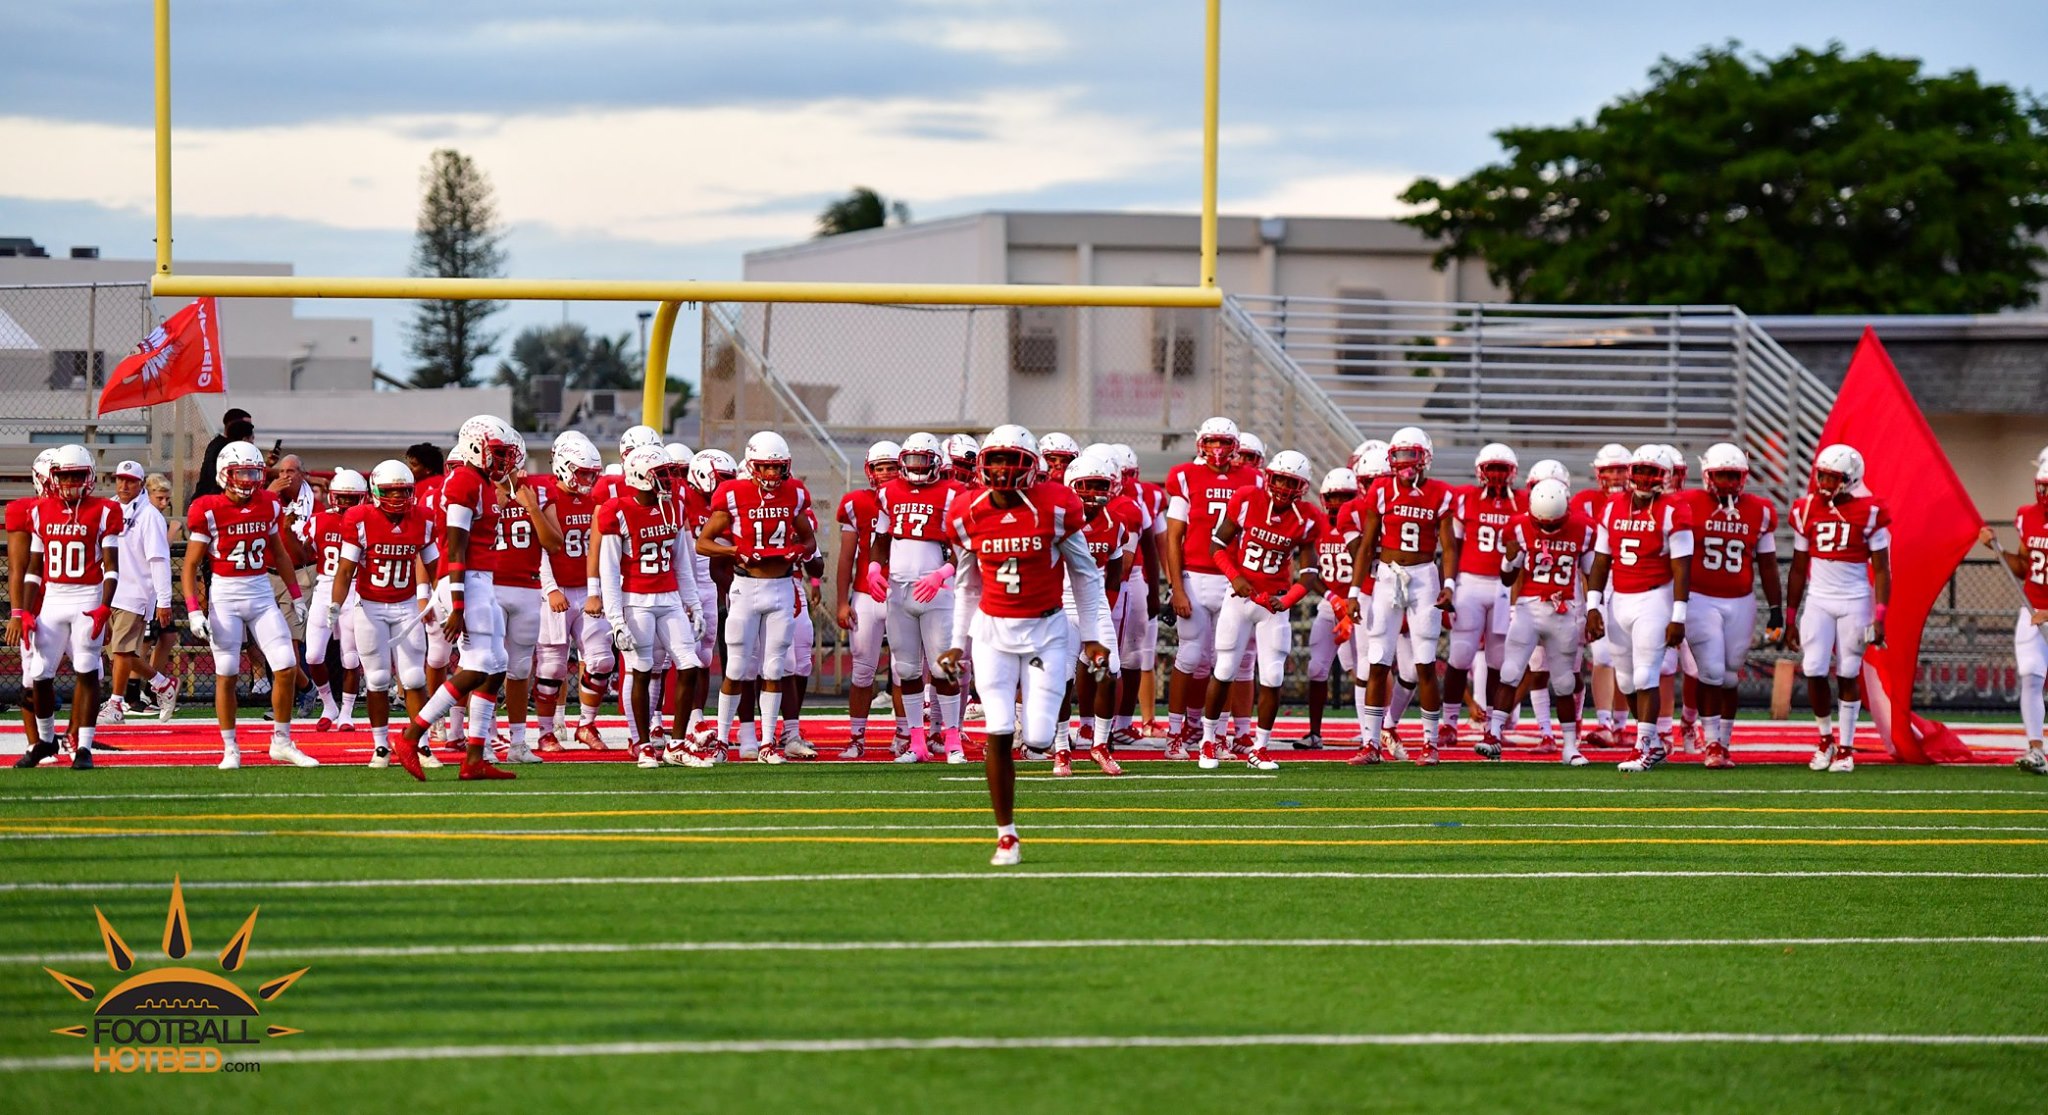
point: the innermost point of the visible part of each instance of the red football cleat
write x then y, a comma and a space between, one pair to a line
1446, 736
588, 736
1717, 758
1062, 763
1102, 759
478, 770
325, 725
548, 742
1364, 757
408, 755
1596, 737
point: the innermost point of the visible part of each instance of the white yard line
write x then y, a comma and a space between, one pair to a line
273, 1055
982, 877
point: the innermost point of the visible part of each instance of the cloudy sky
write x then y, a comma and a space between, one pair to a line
645, 139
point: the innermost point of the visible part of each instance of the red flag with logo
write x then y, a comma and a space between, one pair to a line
1934, 524
180, 357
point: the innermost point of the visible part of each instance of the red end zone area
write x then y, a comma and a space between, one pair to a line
197, 743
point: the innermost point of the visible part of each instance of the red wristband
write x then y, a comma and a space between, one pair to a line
1228, 565
1292, 596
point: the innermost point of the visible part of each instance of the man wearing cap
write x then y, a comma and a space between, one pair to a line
234, 426
142, 604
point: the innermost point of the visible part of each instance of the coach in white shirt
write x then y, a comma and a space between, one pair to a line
139, 600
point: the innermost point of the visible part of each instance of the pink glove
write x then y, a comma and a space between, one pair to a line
99, 617
878, 582
931, 584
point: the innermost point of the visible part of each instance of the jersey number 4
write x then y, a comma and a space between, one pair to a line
1010, 576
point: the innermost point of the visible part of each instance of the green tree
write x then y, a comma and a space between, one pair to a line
863, 208
1811, 183
584, 362
458, 236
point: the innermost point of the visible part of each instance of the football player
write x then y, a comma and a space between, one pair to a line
1111, 530
2029, 564
1548, 548
1256, 540
1644, 545
1197, 494
1329, 634
487, 451
761, 523
1140, 651
648, 584
708, 469
1736, 548
387, 554
863, 614
345, 491
567, 505
39, 703
68, 594
236, 535
526, 536
1841, 581
911, 569
1610, 478
1404, 537
1479, 522
1057, 451
1022, 540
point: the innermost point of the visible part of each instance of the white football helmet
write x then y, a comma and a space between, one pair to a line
637, 437
1367, 448
239, 470
710, 468
1674, 460
1611, 455
577, 466
1093, 476
1649, 469
922, 458
2041, 481
1497, 456
1373, 464
571, 435
1409, 452
490, 445
884, 461
678, 453
1549, 502
1058, 451
1250, 450
1288, 476
1008, 458
1108, 453
767, 460
1718, 463
1339, 480
71, 472
1549, 469
391, 486
962, 451
645, 467
1216, 442
346, 488
1843, 461
44, 460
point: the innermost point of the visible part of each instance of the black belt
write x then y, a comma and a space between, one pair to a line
739, 572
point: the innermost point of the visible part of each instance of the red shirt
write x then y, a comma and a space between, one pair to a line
1725, 541
1206, 494
426, 495
763, 525
466, 487
1481, 523
237, 535
1017, 550
518, 549
858, 511
2032, 522
1590, 503
72, 538
1841, 531
647, 543
327, 539
573, 513
1110, 534
1639, 540
1268, 536
386, 550
18, 514
918, 512
1551, 559
1409, 514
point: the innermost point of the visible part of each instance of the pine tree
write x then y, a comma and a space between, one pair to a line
458, 236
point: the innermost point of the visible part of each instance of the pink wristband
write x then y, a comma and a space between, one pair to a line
1877, 614
192, 604
292, 589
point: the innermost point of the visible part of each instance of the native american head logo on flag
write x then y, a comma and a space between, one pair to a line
179, 357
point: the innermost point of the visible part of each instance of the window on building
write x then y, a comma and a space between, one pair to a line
1036, 335
1177, 335
1361, 341
68, 367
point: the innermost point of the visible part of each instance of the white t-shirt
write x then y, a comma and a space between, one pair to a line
145, 582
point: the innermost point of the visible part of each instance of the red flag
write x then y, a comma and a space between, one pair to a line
1934, 524
180, 357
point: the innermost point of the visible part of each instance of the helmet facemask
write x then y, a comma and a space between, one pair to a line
1726, 484
1095, 492
1645, 479
1284, 488
1830, 484
392, 499
1497, 476
73, 485
1613, 478
770, 475
1408, 462
1008, 470
1334, 502
1056, 463
1217, 451
881, 472
241, 482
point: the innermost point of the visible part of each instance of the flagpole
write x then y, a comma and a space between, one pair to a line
163, 137
92, 312
1998, 548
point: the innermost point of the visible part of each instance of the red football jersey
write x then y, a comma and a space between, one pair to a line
1481, 523
1016, 549
18, 512
1268, 536
1726, 541
467, 487
1206, 494
763, 525
858, 511
237, 534
1551, 559
1846, 531
647, 543
918, 512
574, 514
1409, 514
72, 538
1639, 540
327, 538
518, 548
2032, 522
426, 495
387, 550
1590, 504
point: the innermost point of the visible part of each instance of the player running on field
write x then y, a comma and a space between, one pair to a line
2029, 564
1735, 548
1404, 533
1841, 580
1644, 546
1548, 549
387, 549
1024, 539
73, 570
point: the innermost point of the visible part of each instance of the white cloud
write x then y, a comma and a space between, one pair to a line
1359, 193
667, 175
1014, 40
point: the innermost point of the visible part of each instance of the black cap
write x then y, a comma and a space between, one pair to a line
234, 414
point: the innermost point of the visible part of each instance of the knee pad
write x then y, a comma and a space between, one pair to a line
551, 664
862, 673
412, 677
226, 663
377, 680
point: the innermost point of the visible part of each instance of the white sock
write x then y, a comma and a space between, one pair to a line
949, 710
1358, 706
1663, 727
281, 733
1452, 714
85, 738
1103, 728
455, 721
586, 709
913, 708
1261, 737
46, 728
1431, 718
1239, 726
1212, 728
483, 717
1848, 712
1713, 729
348, 706
328, 708
1120, 723
1402, 697
380, 738
1646, 737
1372, 720
1006, 830
1497, 720
2033, 706
1606, 719
159, 682
728, 708
1825, 725
771, 706
749, 738
1174, 723
1539, 702
857, 728
1571, 737
518, 733
227, 740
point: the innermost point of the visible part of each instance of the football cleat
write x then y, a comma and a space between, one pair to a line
166, 701
1367, 756
643, 754
1104, 760
549, 742
1843, 764
1596, 737
346, 724
1125, 737
956, 756
1243, 745
2033, 762
1309, 742
1717, 757
1446, 736
326, 724
590, 737
430, 761
1208, 759
285, 751
1175, 749
1572, 758
412, 758
112, 713
1820, 759
45, 750
1009, 852
769, 753
1390, 742
907, 757
519, 752
380, 760
1488, 747
852, 751
230, 757
1645, 762
797, 747
1430, 755
1062, 762
681, 754
973, 711
1691, 738
1257, 759
478, 770
81, 759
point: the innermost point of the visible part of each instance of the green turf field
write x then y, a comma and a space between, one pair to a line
1478, 938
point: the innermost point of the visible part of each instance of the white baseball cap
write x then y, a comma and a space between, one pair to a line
132, 470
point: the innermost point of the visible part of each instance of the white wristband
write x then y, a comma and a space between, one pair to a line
1678, 612
594, 587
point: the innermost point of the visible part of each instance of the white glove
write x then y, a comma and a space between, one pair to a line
622, 638
333, 616
299, 609
197, 622
695, 615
